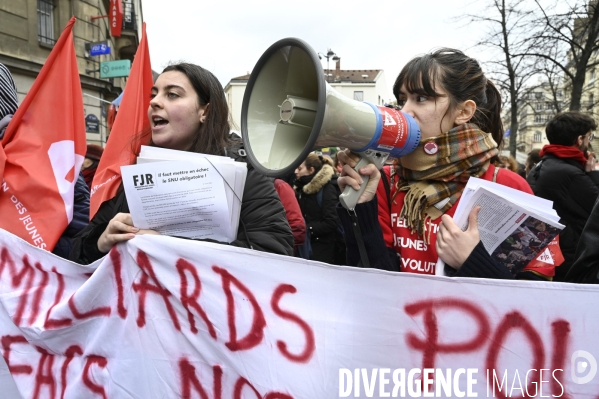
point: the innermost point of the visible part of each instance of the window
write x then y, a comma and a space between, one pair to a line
547, 105
539, 106
538, 95
45, 22
359, 95
537, 137
591, 100
538, 118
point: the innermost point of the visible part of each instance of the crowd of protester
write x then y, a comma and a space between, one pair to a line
404, 216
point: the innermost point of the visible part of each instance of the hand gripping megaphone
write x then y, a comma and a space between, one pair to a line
289, 110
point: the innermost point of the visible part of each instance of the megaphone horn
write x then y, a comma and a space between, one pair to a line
290, 110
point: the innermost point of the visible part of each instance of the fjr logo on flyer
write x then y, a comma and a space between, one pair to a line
143, 180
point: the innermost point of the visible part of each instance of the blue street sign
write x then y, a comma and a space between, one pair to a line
100, 48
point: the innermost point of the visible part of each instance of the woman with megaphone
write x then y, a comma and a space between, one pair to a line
405, 214
188, 112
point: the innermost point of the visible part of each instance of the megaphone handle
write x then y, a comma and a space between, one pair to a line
349, 197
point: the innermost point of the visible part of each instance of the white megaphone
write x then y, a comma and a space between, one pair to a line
289, 110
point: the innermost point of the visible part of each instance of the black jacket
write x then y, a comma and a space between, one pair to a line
573, 192
262, 226
585, 268
79, 221
321, 221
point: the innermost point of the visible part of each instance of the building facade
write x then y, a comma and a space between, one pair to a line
30, 28
360, 85
535, 108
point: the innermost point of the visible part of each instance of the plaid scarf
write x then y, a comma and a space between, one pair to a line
434, 182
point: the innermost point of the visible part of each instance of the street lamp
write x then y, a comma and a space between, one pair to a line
330, 55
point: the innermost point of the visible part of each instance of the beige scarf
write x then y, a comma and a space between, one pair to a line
435, 173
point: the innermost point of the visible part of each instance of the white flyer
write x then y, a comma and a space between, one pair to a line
179, 198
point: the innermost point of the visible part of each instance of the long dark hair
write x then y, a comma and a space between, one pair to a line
213, 134
462, 78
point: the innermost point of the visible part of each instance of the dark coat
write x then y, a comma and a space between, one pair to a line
262, 226
573, 192
80, 219
586, 260
321, 221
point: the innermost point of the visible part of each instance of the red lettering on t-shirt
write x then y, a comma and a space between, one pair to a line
306, 354
256, 333
144, 286
191, 301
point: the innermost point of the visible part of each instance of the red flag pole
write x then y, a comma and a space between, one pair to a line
130, 131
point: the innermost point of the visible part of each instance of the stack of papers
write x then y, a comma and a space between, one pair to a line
180, 193
514, 226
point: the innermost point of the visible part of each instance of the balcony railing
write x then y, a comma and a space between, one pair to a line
129, 20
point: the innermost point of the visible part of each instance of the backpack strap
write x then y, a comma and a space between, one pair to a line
387, 186
495, 173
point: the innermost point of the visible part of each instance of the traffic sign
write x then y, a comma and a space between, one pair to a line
115, 69
100, 48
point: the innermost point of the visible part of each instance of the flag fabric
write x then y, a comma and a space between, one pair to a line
43, 149
126, 136
548, 259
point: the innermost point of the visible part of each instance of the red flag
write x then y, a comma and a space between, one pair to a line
126, 136
43, 149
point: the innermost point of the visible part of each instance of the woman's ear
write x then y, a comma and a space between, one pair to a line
203, 112
465, 112
311, 171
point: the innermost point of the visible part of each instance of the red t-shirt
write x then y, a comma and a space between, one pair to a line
416, 255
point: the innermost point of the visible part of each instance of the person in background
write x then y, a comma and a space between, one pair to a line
507, 162
566, 175
293, 212
188, 112
318, 198
532, 159
8, 106
585, 268
91, 162
405, 214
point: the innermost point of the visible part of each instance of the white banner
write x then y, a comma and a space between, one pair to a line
162, 317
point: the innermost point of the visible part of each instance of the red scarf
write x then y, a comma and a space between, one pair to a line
88, 175
562, 151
